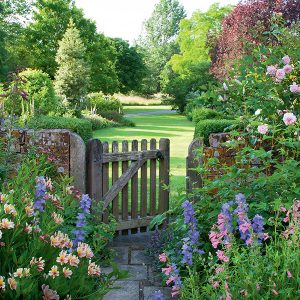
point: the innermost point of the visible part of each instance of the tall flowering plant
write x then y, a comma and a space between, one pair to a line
42, 255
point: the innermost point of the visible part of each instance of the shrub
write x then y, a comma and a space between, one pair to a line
98, 122
101, 104
206, 127
200, 114
40, 95
80, 126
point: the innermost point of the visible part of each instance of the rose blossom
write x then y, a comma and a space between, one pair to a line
271, 70
263, 129
289, 119
288, 68
280, 74
295, 88
286, 60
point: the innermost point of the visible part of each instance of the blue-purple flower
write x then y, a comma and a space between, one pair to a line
84, 206
40, 194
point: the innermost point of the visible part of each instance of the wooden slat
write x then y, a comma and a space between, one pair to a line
122, 181
144, 183
105, 177
134, 187
125, 189
193, 178
94, 169
129, 156
164, 172
115, 176
132, 224
152, 180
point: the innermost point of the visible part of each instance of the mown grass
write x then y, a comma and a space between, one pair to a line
175, 127
141, 109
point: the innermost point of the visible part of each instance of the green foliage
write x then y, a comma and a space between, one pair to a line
130, 66
200, 114
188, 71
72, 76
205, 127
98, 122
41, 98
161, 30
32, 235
100, 103
80, 126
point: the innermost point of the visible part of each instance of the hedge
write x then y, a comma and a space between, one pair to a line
102, 104
80, 126
200, 114
205, 127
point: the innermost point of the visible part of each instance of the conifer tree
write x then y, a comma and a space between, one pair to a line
72, 75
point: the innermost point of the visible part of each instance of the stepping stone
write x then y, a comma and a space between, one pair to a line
121, 255
139, 257
150, 290
124, 290
135, 272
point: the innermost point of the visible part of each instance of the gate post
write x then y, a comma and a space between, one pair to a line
193, 179
94, 169
164, 176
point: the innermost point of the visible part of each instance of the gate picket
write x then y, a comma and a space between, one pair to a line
125, 189
105, 179
144, 183
134, 188
152, 180
115, 176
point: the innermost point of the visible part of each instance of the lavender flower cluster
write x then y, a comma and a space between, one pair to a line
84, 206
249, 230
191, 242
40, 194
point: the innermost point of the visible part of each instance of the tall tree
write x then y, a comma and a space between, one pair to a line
159, 36
49, 23
72, 76
130, 66
188, 70
13, 13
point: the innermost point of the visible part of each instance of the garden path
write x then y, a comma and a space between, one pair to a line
142, 281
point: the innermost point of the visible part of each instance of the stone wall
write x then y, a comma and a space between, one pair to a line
65, 148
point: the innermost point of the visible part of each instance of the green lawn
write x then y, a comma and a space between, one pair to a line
150, 108
175, 127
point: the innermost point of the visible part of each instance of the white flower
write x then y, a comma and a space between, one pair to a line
257, 113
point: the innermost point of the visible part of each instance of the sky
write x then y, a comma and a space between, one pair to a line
124, 18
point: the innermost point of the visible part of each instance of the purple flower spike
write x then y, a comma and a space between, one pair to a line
40, 194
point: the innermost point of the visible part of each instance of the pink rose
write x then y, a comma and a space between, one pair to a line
289, 119
263, 129
288, 69
162, 257
280, 74
295, 88
271, 70
286, 60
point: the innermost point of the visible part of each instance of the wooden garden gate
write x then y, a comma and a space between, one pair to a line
133, 197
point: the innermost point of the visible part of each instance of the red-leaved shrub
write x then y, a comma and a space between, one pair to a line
246, 26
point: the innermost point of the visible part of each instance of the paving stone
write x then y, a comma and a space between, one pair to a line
121, 255
135, 272
123, 290
139, 257
150, 290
